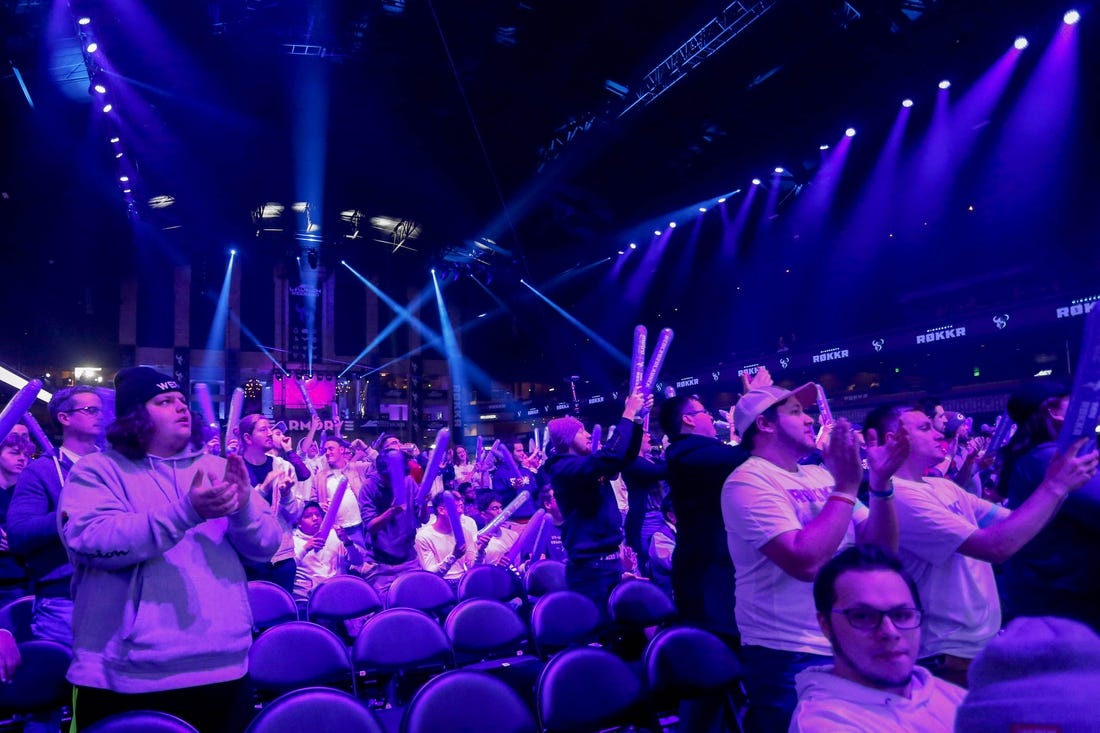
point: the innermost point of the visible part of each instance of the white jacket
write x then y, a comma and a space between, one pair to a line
830, 703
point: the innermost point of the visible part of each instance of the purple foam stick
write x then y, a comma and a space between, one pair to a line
538, 549
335, 412
39, 435
236, 405
545, 439
442, 440
533, 445
664, 338
508, 459
456, 522
526, 539
597, 433
505, 513
206, 404
1001, 429
18, 406
480, 451
395, 466
823, 406
333, 508
637, 357
305, 398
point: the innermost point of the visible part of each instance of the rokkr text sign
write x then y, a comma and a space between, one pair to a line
1079, 307
830, 355
944, 333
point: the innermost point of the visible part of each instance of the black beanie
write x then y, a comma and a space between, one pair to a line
134, 386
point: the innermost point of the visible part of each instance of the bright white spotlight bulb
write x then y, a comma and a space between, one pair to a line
1020, 43
850, 132
907, 103
945, 84
756, 181
1071, 17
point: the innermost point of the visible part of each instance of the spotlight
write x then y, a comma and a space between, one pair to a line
118, 155
100, 88
672, 225
1071, 17
703, 209
126, 190
107, 108
433, 270
92, 47
945, 84
232, 253
622, 251
907, 103
656, 232
722, 200
756, 181
114, 140
342, 262
850, 132
124, 179
779, 169
822, 147
1020, 43
84, 20
634, 245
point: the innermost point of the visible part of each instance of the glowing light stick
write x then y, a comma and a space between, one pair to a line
395, 466
823, 406
543, 538
664, 338
597, 433
18, 406
1001, 430
637, 358
480, 451
236, 405
206, 405
306, 399
333, 509
508, 459
505, 513
442, 440
1084, 401
456, 522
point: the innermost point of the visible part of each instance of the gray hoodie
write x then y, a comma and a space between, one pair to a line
830, 703
160, 596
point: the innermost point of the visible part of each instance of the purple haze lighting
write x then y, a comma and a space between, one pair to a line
1071, 17
907, 103
756, 181
850, 132
1020, 43
92, 47
107, 108
85, 20
100, 88
945, 84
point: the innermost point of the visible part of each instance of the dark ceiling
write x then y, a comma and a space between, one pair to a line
439, 112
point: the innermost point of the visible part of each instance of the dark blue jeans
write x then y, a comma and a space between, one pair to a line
769, 681
594, 579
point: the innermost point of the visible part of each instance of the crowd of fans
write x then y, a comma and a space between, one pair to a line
857, 571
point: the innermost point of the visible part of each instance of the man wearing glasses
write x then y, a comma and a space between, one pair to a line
869, 609
32, 517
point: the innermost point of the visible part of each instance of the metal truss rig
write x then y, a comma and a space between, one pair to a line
715, 34
706, 42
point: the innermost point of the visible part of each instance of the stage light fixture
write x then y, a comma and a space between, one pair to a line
656, 232
114, 140
850, 132
107, 108
822, 147
779, 170
1020, 43
672, 225
702, 209
124, 179
100, 88
945, 84
83, 20
722, 200
1071, 17
622, 251
634, 245
907, 103
92, 47
756, 181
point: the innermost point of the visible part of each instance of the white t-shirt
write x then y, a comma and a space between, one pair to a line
433, 547
761, 501
959, 593
315, 566
347, 515
500, 544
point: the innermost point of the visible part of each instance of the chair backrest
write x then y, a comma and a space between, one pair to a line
489, 581
399, 640
639, 604
685, 662
39, 683
467, 702
483, 627
563, 618
271, 604
421, 590
586, 689
342, 597
298, 654
544, 576
315, 709
15, 616
141, 721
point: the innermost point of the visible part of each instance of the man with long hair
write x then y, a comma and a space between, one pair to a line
156, 530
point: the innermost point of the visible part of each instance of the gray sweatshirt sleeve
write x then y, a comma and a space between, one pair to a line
101, 525
254, 531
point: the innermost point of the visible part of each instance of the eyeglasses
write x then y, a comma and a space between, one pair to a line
90, 410
869, 619
698, 412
